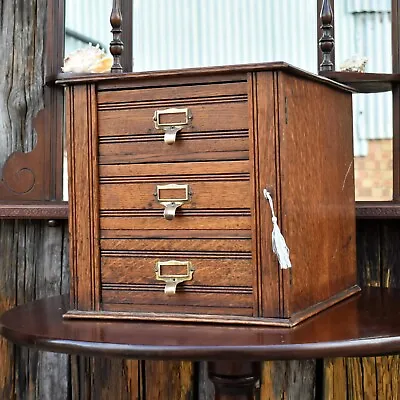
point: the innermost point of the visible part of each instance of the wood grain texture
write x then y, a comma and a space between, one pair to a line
7, 301
31, 136
262, 135
33, 264
175, 90
317, 191
206, 390
115, 379
171, 380
21, 97
81, 127
288, 380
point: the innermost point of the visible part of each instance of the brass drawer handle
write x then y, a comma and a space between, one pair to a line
173, 280
171, 128
171, 197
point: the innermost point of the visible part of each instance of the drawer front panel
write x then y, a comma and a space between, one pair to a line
131, 96
196, 147
214, 185
204, 195
222, 278
217, 125
137, 269
173, 171
219, 196
222, 117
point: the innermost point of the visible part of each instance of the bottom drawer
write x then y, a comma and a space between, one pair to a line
189, 276
210, 283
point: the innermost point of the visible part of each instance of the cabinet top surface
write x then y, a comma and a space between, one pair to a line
364, 325
71, 79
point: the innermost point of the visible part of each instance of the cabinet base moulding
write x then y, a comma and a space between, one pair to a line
197, 318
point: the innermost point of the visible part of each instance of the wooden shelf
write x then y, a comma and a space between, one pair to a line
34, 211
365, 82
364, 210
377, 210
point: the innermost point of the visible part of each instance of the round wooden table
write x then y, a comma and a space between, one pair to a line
367, 324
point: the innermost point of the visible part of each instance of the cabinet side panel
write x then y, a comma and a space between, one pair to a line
317, 191
262, 156
84, 204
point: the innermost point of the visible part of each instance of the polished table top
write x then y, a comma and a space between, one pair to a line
364, 325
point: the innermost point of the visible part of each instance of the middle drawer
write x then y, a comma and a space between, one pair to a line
212, 195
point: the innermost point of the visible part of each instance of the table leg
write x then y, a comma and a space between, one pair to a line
235, 380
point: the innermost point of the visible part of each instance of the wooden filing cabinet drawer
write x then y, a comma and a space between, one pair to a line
216, 128
222, 273
220, 279
132, 196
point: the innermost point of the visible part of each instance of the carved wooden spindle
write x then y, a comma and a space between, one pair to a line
326, 42
116, 45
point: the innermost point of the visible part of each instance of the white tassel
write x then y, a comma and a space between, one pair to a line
279, 246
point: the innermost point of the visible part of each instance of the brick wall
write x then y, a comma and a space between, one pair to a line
373, 173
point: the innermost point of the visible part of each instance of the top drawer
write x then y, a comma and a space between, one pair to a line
212, 121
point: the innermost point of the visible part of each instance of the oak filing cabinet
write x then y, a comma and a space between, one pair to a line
168, 220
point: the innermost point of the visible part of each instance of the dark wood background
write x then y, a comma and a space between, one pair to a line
34, 264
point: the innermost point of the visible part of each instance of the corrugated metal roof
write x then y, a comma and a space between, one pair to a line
356, 6
89, 17
194, 33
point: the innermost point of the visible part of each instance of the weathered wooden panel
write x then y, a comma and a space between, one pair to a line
335, 386
7, 300
33, 264
205, 386
288, 380
169, 380
115, 379
388, 377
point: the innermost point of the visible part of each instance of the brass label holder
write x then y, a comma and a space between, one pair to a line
171, 203
171, 128
173, 280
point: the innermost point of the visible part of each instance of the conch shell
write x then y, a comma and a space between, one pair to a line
90, 59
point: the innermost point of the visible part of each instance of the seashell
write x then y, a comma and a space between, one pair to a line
354, 64
90, 59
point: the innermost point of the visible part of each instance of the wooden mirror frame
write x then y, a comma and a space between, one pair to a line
44, 164
367, 83
31, 182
